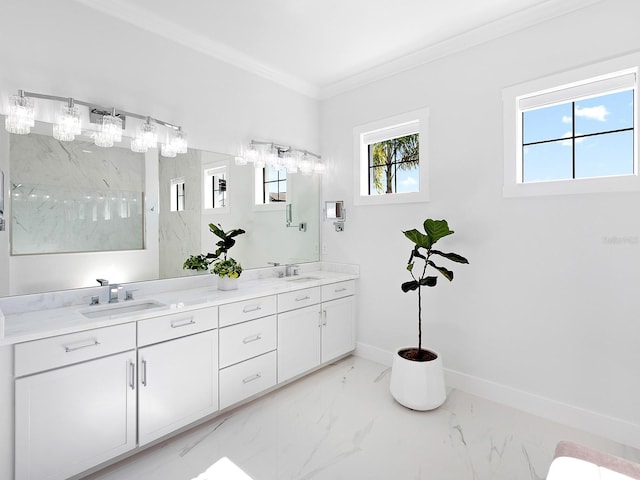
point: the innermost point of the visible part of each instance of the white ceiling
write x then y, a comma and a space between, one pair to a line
323, 47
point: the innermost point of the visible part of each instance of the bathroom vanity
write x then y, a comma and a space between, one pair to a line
94, 384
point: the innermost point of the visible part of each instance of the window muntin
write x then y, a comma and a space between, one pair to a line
177, 194
585, 138
394, 165
273, 186
215, 188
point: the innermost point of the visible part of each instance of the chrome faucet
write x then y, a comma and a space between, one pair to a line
291, 269
113, 293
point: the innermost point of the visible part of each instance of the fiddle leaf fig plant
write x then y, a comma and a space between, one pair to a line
419, 265
224, 265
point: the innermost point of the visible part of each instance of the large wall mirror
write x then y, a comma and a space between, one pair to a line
76, 212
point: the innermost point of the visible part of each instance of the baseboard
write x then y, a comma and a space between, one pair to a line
612, 428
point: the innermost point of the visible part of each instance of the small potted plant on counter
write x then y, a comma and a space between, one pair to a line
417, 377
227, 268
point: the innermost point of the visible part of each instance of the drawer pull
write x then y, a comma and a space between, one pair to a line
252, 378
300, 299
94, 343
251, 309
252, 338
143, 374
182, 323
324, 315
338, 290
132, 375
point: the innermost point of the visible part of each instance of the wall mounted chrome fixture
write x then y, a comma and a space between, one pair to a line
336, 211
280, 157
109, 124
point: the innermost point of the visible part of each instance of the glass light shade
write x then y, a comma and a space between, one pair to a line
319, 168
138, 146
102, 140
306, 165
180, 141
290, 161
167, 150
21, 115
111, 126
251, 154
240, 160
148, 134
67, 124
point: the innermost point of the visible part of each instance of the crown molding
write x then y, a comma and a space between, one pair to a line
154, 23
504, 26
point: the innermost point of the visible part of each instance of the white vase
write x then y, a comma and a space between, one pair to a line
226, 283
418, 385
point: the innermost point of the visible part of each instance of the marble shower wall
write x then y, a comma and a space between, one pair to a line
74, 196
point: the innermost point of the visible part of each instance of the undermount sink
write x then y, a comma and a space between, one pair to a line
302, 279
121, 309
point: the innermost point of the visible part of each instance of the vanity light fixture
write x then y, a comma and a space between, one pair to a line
280, 157
109, 124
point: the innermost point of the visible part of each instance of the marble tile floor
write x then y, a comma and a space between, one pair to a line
342, 423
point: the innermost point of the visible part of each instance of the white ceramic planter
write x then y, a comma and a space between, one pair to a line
418, 385
226, 283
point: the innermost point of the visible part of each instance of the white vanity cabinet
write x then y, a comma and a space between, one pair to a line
177, 371
75, 402
247, 349
315, 325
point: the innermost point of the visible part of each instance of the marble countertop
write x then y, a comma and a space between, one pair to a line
33, 325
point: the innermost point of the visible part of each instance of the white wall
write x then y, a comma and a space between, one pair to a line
64, 48
545, 317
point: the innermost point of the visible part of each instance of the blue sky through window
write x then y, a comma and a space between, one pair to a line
607, 153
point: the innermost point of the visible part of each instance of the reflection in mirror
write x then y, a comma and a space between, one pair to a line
169, 236
74, 197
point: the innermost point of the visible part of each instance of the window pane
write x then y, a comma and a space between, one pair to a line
547, 161
276, 192
605, 155
604, 113
408, 178
381, 180
549, 123
270, 174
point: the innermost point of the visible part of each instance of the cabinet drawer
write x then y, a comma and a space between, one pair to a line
298, 299
166, 327
54, 352
246, 340
338, 290
248, 378
238, 312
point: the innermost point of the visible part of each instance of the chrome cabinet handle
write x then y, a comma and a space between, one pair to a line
252, 338
343, 289
300, 299
94, 343
132, 375
251, 309
324, 315
252, 378
143, 374
182, 323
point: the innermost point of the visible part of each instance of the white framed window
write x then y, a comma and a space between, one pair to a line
270, 186
391, 165
177, 194
574, 132
215, 192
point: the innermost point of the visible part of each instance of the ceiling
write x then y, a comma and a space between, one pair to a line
323, 47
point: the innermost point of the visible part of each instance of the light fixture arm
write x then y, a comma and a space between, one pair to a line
285, 148
97, 109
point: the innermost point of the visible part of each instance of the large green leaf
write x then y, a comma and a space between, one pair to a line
454, 257
436, 229
420, 239
423, 282
448, 274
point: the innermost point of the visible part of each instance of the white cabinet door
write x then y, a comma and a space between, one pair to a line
70, 419
298, 341
178, 384
338, 335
